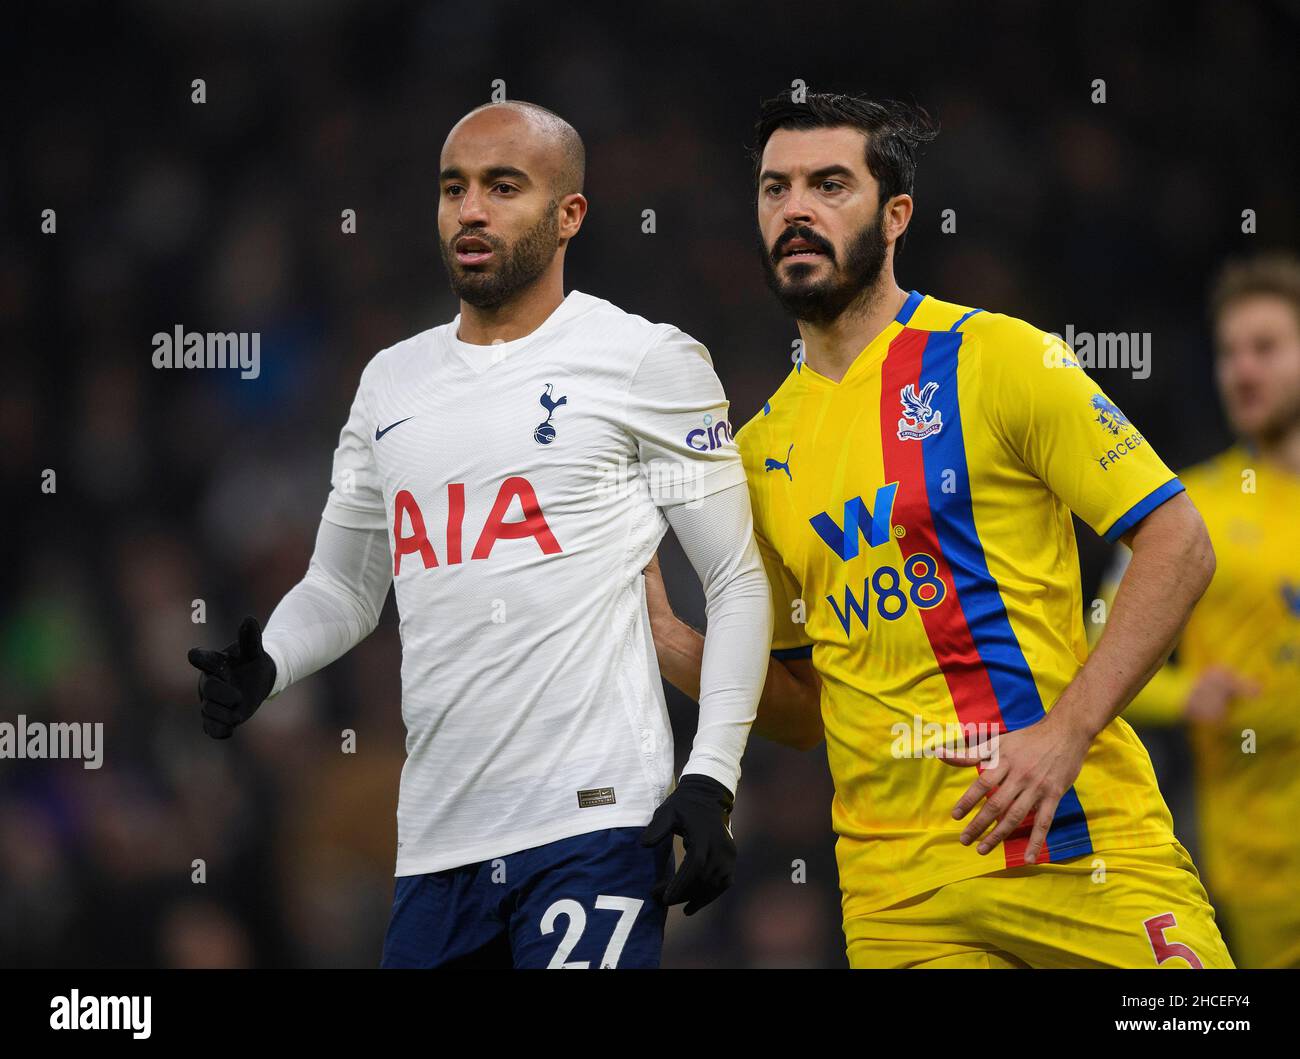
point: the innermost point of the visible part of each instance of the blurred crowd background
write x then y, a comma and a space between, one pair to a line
226, 216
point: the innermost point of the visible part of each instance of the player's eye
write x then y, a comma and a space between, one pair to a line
831, 186
771, 190
452, 190
505, 189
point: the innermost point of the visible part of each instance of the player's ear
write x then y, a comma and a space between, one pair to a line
897, 215
573, 208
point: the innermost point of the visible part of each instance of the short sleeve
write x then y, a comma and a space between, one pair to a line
1068, 432
356, 499
789, 636
676, 412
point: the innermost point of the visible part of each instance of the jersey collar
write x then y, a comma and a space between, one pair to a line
914, 298
875, 349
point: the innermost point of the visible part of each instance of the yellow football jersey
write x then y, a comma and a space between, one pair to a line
914, 520
1248, 767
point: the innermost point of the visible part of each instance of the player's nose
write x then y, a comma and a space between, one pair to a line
797, 210
473, 209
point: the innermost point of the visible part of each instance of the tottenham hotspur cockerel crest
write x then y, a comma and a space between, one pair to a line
919, 419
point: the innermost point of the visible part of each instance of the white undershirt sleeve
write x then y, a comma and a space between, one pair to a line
717, 534
334, 607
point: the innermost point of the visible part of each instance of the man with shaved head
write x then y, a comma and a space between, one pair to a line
511, 473
525, 256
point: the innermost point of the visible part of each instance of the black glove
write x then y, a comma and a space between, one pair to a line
700, 811
234, 681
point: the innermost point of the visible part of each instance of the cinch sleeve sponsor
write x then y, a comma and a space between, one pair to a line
677, 413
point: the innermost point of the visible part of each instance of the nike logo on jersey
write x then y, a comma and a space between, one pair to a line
380, 433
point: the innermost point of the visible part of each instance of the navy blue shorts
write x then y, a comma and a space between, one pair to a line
585, 901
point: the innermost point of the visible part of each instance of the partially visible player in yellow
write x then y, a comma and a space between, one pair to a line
912, 483
1236, 680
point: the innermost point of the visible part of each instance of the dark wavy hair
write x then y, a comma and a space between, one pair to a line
894, 131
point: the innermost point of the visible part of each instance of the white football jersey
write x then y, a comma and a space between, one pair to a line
520, 485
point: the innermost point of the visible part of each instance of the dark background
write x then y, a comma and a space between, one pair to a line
225, 216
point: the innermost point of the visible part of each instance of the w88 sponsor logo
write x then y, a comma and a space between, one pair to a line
918, 585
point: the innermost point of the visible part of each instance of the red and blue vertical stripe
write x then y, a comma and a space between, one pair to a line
970, 633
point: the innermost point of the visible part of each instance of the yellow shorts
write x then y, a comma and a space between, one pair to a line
1141, 907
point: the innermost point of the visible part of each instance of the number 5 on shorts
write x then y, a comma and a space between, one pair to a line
1168, 950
